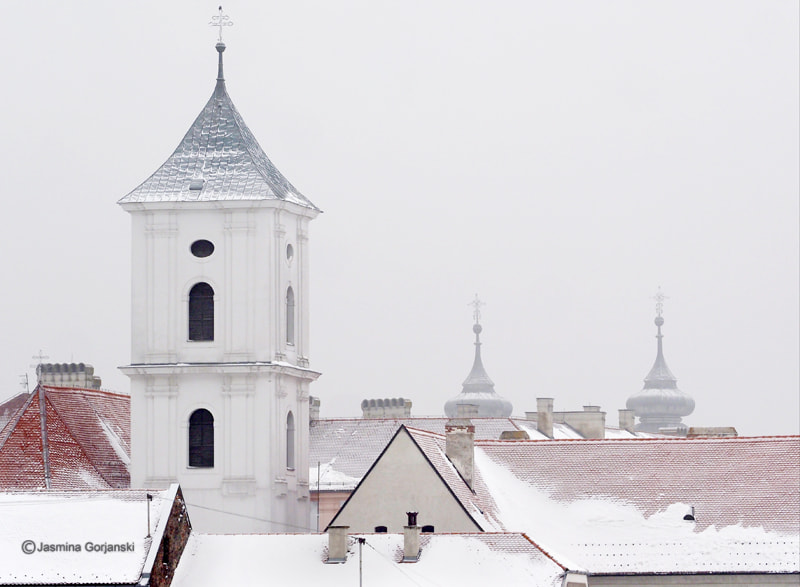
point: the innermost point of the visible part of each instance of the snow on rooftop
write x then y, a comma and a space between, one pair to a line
81, 537
602, 534
445, 559
325, 477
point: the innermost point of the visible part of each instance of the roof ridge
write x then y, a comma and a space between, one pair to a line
422, 432
110, 392
640, 439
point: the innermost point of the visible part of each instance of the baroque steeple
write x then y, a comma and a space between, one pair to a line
660, 404
478, 388
218, 159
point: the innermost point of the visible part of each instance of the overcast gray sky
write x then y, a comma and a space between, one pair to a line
561, 159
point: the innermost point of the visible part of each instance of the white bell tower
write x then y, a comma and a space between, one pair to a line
219, 363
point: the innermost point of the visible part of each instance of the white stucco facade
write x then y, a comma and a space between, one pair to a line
403, 480
250, 377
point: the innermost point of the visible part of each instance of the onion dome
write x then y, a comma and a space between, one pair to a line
660, 404
478, 388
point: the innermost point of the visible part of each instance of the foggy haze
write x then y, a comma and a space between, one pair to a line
562, 160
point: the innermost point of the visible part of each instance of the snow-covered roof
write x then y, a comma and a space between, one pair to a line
445, 559
218, 159
345, 448
78, 537
86, 444
618, 506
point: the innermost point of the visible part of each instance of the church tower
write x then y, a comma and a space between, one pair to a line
219, 360
660, 405
477, 390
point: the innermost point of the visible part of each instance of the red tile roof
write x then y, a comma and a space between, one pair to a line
748, 481
86, 445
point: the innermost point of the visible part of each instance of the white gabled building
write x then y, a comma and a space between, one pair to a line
219, 361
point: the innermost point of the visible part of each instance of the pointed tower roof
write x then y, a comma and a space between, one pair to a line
660, 404
218, 159
478, 388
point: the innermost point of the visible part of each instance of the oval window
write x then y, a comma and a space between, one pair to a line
289, 252
202, 248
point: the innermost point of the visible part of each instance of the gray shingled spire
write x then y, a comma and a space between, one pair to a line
218, 159
660, 404
478, 388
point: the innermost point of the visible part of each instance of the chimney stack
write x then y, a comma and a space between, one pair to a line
337, 544
627, 420
313, 408
411, 539
544, 415
460, 442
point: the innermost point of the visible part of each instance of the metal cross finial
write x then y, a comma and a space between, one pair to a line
221, 20
659, 298
476, 304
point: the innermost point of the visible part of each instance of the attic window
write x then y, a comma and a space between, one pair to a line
380, 529
197, 184
428, 529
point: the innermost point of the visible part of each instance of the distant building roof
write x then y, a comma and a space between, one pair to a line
345, 448
219, 159
65, 438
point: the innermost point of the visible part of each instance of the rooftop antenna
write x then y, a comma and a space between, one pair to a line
23, 382
40, 358
220, 21
147, 501
43, 418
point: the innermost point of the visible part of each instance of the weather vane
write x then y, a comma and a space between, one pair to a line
476, 304
221, 20
659, 298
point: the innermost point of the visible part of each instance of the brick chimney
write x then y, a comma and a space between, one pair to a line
411, 539
337, 544
460, 442
544, 415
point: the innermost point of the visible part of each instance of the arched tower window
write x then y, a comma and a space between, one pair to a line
201, 312
290, 441
290, 315
201, 439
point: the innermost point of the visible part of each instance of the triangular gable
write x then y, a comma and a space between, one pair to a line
404, 479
